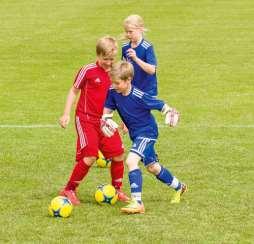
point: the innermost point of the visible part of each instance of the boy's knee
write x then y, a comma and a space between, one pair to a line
132, 161
89, 161
154, 168
119, 158
128, 162
132, 165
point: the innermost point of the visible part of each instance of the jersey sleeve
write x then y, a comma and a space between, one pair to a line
123, 57
80, 78
150, 56
110, 101
152, 103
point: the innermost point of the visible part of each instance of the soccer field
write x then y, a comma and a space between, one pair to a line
205, 69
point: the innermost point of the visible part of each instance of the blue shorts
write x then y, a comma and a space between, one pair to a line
144, 147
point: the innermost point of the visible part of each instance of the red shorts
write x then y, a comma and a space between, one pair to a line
91, 139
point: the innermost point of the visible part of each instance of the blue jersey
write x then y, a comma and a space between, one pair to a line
135, 111
141, 79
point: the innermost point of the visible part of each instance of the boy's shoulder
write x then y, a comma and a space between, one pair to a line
137, 92
112, 91
89, 66
125, 45
146, 44
88, 69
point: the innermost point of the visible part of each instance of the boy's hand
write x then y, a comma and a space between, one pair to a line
131, 53
108, 125
171, 115
172, 118
64, 121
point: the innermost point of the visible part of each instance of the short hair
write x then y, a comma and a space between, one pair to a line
106, 46
121, 70
135, 20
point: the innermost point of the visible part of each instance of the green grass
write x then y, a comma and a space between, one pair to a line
206, 62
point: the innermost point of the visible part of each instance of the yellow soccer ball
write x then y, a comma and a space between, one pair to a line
60, 207
106, 193
102, 162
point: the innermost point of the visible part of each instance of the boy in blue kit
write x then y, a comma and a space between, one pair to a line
140, 53
134, 108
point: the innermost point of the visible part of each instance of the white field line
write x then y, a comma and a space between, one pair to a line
30, 126
35, 126
209, 126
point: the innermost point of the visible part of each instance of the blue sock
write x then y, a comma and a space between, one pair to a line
135, 179
166, 177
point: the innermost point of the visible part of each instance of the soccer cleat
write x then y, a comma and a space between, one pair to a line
134, 207
71, 195
122, 197
177, 196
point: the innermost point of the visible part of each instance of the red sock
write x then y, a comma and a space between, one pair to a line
78, 173
117, 170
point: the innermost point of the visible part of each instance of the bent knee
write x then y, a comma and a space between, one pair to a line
118, 158
89, 161
154, 168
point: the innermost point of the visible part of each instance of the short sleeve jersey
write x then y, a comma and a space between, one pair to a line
142, 80
135, 111
94, 82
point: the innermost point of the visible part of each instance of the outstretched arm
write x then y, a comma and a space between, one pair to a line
65, 118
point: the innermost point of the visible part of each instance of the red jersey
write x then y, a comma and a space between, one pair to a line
94, 83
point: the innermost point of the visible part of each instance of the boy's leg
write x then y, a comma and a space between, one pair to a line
135, 180
117, 172
79, 172
165, 176
161, 173
87, 144
113, 148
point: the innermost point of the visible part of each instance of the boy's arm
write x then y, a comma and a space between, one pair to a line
65, 118
171, 115
148, 68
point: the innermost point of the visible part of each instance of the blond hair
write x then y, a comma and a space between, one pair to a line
106, 46
135, 21
121, 70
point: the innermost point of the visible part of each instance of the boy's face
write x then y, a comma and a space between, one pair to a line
106, 62
133, 33
122, 86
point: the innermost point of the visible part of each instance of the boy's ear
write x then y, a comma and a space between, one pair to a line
129, 79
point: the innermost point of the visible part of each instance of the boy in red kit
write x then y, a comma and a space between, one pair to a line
93, 81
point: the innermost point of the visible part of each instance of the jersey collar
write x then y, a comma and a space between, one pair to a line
138, 43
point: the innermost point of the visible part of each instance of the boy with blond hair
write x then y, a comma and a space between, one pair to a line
134, 108
141, 54
93, 82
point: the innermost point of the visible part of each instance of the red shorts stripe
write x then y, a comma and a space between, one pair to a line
81, 134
